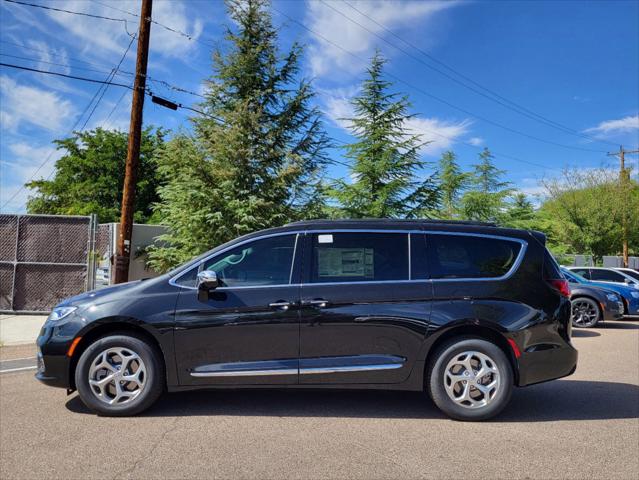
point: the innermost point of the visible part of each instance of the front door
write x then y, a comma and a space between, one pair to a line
247, 332
365, 310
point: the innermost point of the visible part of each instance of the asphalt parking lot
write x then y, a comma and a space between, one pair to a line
585, 426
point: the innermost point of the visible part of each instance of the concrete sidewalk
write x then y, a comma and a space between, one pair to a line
17, 329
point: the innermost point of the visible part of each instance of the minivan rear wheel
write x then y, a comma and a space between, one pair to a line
119, 375
469, 379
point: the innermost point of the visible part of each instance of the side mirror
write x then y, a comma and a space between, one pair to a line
207, 280
627, 281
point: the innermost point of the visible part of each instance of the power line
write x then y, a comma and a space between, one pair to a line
54, 54
439, 99
497, 97
58, 74
106, 120
118, 72
105, 87
102, 17
77, 121
106, 82
53, 63
166, 27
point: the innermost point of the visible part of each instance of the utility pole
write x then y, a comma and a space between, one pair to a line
624, 180
123, 252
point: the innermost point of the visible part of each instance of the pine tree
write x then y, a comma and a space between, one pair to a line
487, 175
385, 159
255, 157
452, 182
487, 201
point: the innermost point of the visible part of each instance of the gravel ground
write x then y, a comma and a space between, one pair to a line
584, 426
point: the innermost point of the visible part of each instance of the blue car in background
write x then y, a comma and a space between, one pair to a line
630, 294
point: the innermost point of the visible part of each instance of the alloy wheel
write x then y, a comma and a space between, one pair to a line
584, 313
472, 379
117, 376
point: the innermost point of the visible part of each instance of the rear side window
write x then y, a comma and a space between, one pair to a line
468, 256
359, 257
551, 269
584, 272
606, 275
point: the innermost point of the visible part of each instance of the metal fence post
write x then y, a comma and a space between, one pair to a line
15, 262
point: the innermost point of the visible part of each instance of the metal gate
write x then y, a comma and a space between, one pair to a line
43, 259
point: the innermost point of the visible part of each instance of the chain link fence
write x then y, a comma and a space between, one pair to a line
46, 258
43, 259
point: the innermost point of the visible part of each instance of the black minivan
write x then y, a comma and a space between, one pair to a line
461, 310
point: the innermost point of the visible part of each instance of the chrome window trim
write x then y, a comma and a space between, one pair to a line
408, 232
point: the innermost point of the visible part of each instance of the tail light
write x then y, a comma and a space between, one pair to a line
561, 285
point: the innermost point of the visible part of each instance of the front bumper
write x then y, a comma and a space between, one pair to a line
613, 310
53, 364
632, 306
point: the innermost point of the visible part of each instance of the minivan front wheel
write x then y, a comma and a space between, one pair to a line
119, 375
470, 379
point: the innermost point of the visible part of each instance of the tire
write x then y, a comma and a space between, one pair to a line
140, 375
446, 373
584, 312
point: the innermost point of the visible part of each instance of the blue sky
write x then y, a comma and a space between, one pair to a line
574, 63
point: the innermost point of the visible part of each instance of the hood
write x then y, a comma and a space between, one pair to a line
618, 288
100, 295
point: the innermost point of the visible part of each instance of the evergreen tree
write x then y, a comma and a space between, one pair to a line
255, 158
487, 201
452, 182
385, 159
520, 212
487, 175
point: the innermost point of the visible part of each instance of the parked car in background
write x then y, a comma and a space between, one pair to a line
629, 271
590, 305
629, 294
462, 310
602, 274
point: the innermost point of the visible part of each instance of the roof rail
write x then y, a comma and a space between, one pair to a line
395, 220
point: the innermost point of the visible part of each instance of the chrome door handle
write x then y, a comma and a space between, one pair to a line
280, 305
319, 303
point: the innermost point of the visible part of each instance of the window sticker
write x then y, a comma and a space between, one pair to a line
325, 238
345, 262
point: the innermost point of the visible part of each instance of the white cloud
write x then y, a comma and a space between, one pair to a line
440, 134
32, 105
614, 127
325, 19
337, 104
104, 37
476, 141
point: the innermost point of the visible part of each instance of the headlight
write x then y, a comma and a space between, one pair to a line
612, 297
634, 294
58, 313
